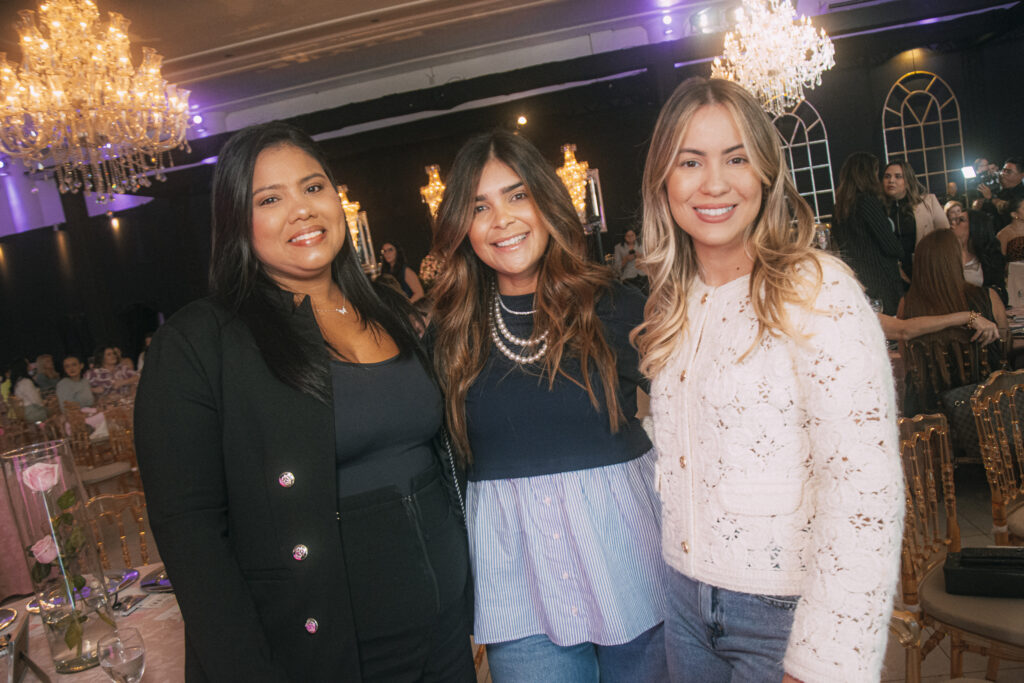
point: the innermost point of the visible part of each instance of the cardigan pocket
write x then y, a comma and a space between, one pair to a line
761, 498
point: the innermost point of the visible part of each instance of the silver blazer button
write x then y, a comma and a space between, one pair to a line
311, 625
287, 480
300, 552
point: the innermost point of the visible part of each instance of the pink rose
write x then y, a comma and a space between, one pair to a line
41, 477
45, 550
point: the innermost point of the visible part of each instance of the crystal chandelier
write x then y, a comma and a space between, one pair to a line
773, 55
574, 176
433, 191
77, 103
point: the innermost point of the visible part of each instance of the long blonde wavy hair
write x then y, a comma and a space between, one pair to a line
568, 284
786, 268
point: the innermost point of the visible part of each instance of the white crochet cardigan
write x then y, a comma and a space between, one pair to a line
780, 474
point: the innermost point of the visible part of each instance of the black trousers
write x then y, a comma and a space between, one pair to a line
408, 567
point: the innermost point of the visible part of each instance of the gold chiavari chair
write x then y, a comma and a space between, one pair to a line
123, 514
991, 627
121, 437
998, 406
93, 461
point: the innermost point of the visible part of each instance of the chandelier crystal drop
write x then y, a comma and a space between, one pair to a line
77, 103
774, 55
433, 191
351, 213
574, 176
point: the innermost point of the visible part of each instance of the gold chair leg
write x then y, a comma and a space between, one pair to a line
913, 665
956, 656
992, 670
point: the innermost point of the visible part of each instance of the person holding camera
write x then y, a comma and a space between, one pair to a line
626, 264
997, 202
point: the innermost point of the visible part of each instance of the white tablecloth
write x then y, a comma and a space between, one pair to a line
158, 619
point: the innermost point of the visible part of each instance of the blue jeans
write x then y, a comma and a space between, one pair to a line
713, 634
535, 659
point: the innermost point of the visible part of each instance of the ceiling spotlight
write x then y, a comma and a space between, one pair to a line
666, 19
521, 121
197, 119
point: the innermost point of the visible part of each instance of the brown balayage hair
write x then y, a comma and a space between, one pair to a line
568, 285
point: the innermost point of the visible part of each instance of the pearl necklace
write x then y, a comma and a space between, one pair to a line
499, 330
509, 310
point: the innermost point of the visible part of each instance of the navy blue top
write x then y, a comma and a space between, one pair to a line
519, 428
386, 416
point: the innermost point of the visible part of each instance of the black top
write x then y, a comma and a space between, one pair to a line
905, 224
985, 246
385, 416
519, 428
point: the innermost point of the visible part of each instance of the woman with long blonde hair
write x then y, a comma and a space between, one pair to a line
532, 351
774, 411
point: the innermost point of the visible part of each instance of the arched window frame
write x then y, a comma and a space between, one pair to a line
805, 143
921, 122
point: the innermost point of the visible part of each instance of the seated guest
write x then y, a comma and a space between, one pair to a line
913, 210
938, 288
984, 265
998, 204
627, 254
46, 376
110, 379
393, 263
953, 194
1011, 238
25, 389
74, 387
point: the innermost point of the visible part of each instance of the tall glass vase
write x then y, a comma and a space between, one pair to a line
48, 502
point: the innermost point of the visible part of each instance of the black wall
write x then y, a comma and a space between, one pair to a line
67, 290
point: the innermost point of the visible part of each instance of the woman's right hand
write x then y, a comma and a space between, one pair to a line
985, 331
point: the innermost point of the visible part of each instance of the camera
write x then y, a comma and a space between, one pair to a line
991, 179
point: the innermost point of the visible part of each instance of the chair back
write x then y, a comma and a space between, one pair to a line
123, 515
940, 361
52, 404
931, 528
998, 406
17, 407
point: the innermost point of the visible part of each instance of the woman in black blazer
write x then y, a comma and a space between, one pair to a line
864, 234
284, 429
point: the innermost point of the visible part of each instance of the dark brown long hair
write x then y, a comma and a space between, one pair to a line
859, 175
938, 286
568, 284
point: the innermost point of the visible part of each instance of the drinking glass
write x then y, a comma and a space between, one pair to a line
123, 655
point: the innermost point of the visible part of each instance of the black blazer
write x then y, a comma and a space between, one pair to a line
869, 246
239, 471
